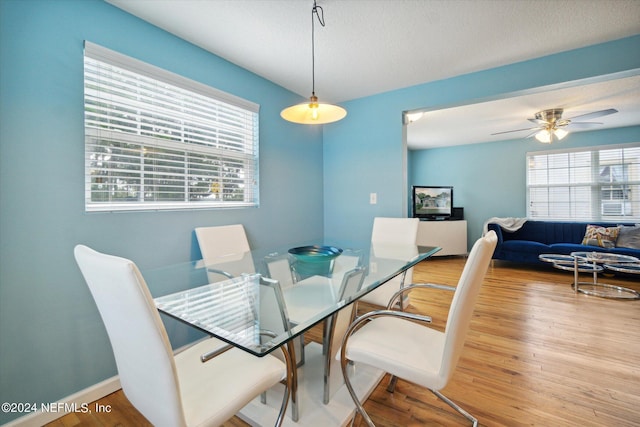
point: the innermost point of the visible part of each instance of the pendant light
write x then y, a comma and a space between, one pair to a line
314, 112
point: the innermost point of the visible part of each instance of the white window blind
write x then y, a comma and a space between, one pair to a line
156, 140
592, 184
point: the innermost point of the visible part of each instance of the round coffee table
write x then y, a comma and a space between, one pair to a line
624, 268
604, 290
567, 263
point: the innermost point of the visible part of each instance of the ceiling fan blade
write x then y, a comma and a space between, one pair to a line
515, 130
533, 133
595, 114
538, 121
584, 125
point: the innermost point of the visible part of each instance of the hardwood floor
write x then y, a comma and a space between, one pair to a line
536, 355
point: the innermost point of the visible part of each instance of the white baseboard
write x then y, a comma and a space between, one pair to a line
77, 400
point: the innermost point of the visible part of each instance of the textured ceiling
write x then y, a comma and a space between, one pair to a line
370, 47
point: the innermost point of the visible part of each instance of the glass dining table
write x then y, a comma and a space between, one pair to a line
266, 299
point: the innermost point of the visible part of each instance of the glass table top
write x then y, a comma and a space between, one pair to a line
604, 257
261, 299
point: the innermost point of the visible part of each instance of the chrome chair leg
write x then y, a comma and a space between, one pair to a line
293, 381
451, 403
290, 387
392, 384
353, 419
354, 397
326, 324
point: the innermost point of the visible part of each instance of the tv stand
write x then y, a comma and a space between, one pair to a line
450, 235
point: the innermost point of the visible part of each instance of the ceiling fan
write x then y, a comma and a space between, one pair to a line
551, 125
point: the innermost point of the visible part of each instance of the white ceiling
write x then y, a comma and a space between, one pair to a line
370, 47
475, 123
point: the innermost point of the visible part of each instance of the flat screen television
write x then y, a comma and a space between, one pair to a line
432, 202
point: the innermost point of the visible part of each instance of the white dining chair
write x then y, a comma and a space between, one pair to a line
401, 344
278, 266
336, 326
389, 232
347, 261
225, 251
204, 385
221, 240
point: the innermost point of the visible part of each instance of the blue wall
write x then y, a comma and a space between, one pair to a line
364, 153
52, 341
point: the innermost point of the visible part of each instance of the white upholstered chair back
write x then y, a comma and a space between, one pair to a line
392, 231
464, 301
278, 267
140, 343
221, 240
171, 390
395, 230
227, 249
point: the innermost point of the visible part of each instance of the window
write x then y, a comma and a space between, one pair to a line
156, 140
601, 183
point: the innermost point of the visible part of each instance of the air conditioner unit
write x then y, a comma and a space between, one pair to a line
616, 208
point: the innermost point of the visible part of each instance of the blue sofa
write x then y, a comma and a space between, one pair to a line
538, 237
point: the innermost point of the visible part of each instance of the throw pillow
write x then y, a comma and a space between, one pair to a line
604, 237
629, 237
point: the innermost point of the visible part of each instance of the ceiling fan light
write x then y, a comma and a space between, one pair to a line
560, 133
544, 136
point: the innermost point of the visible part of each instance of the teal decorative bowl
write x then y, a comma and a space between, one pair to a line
314, 260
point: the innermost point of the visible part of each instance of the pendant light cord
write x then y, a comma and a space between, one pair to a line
312, 112
319, 12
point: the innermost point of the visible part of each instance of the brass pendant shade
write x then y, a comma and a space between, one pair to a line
313, 112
